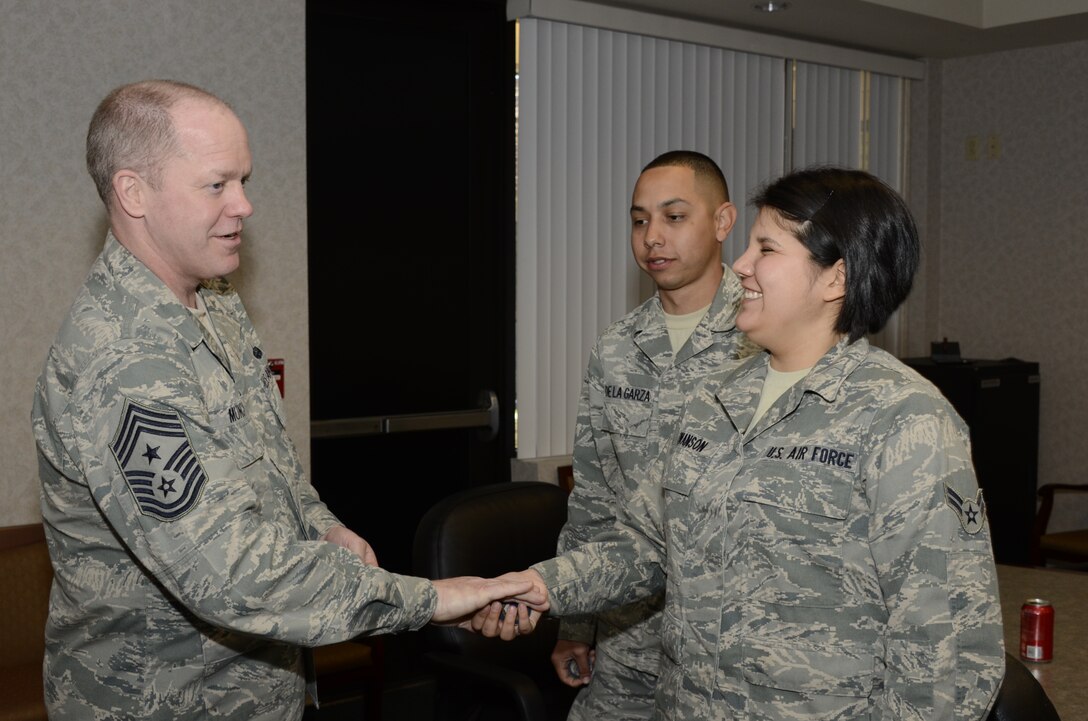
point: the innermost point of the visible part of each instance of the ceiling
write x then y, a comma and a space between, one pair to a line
906, 28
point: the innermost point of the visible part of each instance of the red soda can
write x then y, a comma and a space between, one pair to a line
1037, 631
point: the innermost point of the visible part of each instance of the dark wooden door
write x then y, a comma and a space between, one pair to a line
410, 167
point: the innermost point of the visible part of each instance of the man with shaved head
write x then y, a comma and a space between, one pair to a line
640, 372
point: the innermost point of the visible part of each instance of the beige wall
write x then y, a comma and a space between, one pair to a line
57, 59
1007, 237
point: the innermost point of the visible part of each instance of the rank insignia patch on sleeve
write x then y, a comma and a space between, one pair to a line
159, 465
970, 511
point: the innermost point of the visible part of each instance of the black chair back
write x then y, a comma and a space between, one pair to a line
1021, 697
487, 531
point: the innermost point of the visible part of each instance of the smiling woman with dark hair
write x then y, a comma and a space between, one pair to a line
828, 521
868, 228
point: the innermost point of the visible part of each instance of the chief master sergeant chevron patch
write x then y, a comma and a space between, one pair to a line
163, 473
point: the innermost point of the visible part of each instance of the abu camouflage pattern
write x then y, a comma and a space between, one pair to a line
631, 402
179, 520
815, 568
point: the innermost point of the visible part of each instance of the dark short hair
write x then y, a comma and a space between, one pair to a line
839, 213
705, 169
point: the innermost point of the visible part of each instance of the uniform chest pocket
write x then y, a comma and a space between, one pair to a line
793, 527
246, 444
629, 412
242, 439
686, 465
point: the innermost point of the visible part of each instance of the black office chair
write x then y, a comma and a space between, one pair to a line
487, 531
1070, 547
1021, 697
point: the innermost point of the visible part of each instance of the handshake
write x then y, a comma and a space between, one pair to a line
501, 606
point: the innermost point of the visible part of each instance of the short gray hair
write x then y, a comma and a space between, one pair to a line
132, 128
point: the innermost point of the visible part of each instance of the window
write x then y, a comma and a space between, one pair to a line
594, 106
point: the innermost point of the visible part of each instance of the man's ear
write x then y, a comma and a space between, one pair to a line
836, 285
130, 192
724, 218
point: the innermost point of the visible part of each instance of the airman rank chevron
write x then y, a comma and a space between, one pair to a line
971, 512
158, 463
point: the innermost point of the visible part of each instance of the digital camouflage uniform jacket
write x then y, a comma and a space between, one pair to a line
180, 524
830, 563
630, 406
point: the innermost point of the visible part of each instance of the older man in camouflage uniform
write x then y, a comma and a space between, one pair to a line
640, 371
192, 559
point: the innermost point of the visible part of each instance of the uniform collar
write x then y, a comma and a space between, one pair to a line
652, 336
831, 371
739, 391
137, 279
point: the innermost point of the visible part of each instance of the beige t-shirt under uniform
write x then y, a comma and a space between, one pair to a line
774, 386
680, 327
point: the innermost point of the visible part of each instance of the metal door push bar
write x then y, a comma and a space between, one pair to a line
486, 418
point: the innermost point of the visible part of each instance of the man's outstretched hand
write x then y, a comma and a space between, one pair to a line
515, 615
463, 600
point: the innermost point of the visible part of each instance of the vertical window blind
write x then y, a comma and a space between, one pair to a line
851, 118
596, 105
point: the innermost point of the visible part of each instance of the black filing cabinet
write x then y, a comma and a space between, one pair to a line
999, 400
